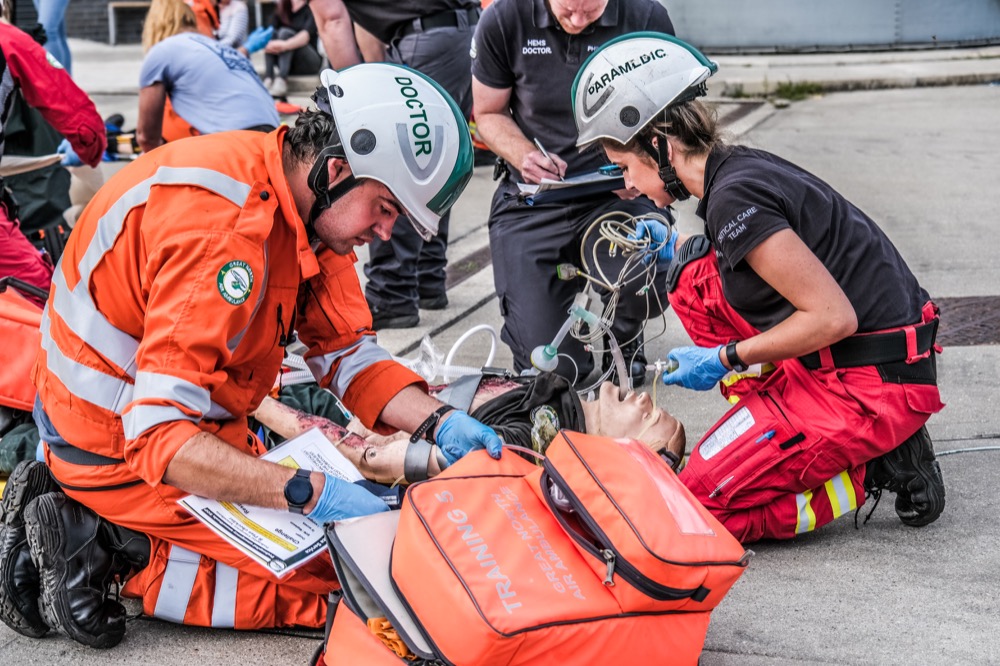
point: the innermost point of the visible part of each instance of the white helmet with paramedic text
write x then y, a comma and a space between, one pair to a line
399, 127
627, 82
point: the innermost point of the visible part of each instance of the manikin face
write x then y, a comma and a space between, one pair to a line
575, 15
355, 219
640, 172
634, 417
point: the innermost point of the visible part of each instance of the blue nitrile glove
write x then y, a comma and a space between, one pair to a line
258, 39
698, 368
661, 239
342, 499
460, 433
70, 158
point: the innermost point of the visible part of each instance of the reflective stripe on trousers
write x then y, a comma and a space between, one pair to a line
838, 493
179, 578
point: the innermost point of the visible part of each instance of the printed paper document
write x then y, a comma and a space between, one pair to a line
279, 540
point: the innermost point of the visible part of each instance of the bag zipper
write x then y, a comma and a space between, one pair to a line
606, 551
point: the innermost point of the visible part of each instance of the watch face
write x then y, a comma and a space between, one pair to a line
298, 490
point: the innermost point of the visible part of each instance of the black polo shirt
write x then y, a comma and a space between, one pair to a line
521, 46
385, 18
751, 194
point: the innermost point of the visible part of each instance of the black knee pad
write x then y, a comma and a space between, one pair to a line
693, 248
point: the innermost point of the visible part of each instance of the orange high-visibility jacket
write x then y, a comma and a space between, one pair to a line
178, 286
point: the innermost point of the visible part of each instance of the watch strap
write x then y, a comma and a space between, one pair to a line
425, 429
733, 358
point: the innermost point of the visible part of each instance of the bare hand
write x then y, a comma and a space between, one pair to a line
275, 47
535, 166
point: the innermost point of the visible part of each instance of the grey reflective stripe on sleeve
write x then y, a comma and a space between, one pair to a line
141, 418
93, 386
76, 307
224, 600
235, 341
158, 386
353, 360
178, 581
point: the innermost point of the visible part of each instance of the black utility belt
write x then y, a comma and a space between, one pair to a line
451, 18
908, 345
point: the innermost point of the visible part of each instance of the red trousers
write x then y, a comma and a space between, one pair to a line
194, 576
790, 455
20, 259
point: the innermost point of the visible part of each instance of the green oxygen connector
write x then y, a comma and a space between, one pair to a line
584, 314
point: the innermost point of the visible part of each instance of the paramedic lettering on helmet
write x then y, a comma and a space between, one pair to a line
815, 295
180, 286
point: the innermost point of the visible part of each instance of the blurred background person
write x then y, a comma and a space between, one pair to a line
30, 78
52, 17
293, 48
206, 16
234, 22
191, 84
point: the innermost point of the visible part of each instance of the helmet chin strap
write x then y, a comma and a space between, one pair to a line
319, 183
672, 185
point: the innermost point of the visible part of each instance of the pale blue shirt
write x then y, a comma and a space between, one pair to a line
211, 86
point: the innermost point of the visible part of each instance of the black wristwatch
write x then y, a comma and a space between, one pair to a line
734, 360
298, 491
426, 429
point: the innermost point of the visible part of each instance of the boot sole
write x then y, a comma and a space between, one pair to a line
26, 482
45, 534
10, 613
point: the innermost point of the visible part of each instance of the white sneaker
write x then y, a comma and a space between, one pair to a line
267, 83
279, 88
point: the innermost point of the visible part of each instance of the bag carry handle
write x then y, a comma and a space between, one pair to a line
23, 287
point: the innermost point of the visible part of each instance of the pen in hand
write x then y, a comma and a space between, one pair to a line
538, 144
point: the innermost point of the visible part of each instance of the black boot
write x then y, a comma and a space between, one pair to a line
19, 582
912, 472
635, 361
79, 555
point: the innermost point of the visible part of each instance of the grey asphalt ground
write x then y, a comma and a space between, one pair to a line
923, 162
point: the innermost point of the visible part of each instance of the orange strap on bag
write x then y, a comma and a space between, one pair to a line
19, 323
491, 566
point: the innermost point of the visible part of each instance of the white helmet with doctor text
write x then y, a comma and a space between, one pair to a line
629, 81
399, 127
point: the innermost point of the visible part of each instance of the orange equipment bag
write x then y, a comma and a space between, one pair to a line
600, 554
19, 323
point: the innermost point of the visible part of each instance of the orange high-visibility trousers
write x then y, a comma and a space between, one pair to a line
195, 577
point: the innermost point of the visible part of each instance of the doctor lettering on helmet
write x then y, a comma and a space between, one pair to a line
180, 286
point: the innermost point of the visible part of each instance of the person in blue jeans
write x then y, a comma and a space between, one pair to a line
52, 16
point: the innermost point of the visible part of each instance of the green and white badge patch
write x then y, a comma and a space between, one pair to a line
235, 281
